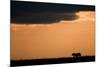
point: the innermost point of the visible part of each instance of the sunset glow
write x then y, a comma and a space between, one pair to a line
34, 41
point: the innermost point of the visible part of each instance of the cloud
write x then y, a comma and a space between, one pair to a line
43, 13
44, 18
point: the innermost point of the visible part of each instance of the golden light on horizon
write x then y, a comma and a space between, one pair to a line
34, 41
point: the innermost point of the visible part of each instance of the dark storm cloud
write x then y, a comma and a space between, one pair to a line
37, 12
44, 18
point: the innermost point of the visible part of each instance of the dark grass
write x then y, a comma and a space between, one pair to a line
52, 61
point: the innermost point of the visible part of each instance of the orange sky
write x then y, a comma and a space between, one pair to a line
34, 41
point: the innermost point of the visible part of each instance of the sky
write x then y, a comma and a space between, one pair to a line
84, 2
61, 31
38, 12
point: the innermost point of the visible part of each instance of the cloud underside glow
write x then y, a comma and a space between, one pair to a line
82, 16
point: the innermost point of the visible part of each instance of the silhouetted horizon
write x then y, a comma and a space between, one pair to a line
52, 60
